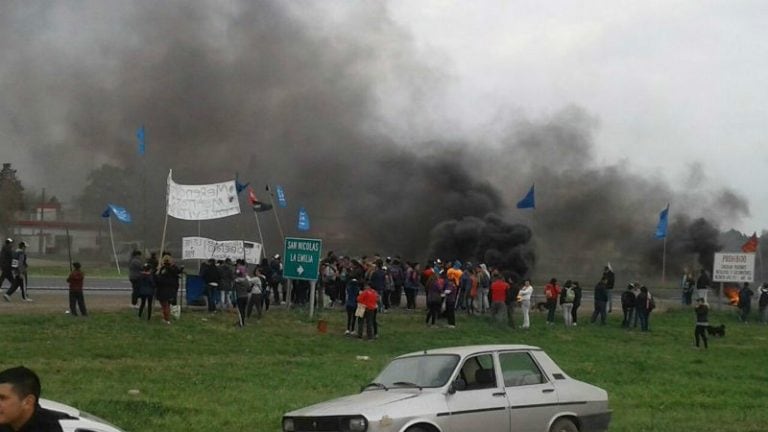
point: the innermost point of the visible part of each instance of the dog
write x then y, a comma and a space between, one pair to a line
541, 306
718, 331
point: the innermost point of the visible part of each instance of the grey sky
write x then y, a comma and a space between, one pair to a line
672, 84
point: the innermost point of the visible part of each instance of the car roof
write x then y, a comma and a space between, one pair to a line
60, 407
466, 350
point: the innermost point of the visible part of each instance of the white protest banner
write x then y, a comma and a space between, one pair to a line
202, 202
205, 248
734, 267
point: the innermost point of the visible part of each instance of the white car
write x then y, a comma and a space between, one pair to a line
493, 388
74, 420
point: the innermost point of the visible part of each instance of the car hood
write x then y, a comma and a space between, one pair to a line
354, 404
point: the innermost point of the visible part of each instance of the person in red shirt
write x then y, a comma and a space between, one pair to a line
499, 289
369, 298
76, 300
552, 291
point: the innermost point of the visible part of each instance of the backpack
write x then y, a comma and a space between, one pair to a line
763, 302
570, 295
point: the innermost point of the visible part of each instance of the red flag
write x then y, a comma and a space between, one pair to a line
252, 196
750, 245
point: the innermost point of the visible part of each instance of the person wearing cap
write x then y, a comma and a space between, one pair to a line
20, 409
6, 257
19, 272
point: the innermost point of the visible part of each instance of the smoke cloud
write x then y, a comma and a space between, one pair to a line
294, 95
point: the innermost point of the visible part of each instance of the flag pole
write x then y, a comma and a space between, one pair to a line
112, 240
261, 237
69, 247
165, 224
277, 218
664, 262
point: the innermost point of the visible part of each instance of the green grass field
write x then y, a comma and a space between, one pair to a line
203, 374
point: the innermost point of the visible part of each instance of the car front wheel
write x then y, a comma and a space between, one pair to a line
563, 425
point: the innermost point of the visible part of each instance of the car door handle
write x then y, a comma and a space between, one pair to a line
499, 394
548, 390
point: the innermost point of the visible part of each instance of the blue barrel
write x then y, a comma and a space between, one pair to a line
195, 288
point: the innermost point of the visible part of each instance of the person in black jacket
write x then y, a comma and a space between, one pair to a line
644, 305
576, 301
628, 305
610, 282
601, 298
147, 287
702, 322
167, 280
20, 409
211, 277
6, 258
745, 301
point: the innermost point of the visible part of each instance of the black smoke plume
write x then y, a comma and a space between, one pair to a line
289, 94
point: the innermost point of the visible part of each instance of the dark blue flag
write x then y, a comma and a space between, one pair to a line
303, 220
240, 186
141, 137
529, 201
281, 201
661, 228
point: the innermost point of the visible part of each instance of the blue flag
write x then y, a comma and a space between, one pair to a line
661, 228
141, 136
303, 220
529, 201
240, 186
281, 201
120, 213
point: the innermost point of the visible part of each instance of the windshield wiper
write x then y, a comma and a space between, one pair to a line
407, 384
375, 384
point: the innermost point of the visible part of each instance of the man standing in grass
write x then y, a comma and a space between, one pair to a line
552, 293
76, 299
499, 288
19, 271
702, 322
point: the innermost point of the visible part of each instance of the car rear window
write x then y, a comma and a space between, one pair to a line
519, 369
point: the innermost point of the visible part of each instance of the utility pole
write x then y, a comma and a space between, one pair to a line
40, 239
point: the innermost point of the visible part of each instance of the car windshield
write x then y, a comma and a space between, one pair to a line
419, 371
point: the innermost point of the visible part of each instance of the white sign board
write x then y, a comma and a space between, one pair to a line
205, 248
734, 267
202, 202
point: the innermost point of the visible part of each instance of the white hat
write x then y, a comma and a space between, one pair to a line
9, 240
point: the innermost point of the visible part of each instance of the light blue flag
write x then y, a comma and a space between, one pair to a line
303, 220
528, 201
141, 136
120, 213
661, 228
281, 201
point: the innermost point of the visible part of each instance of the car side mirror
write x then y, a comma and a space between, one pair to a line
457, 385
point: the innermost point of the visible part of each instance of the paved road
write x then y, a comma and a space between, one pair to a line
91, 284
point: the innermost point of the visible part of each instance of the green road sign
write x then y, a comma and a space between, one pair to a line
302, 258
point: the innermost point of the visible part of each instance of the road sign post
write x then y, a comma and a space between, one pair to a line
302, 262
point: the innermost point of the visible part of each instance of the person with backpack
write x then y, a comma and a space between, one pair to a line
628, 305
352, 291
412, 285
762, 302
567, 296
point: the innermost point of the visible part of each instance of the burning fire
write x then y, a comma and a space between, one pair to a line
732, 293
